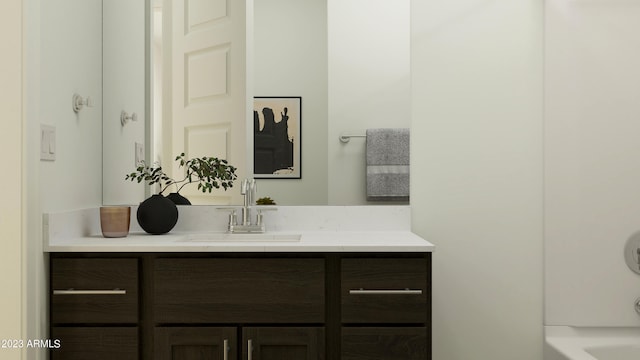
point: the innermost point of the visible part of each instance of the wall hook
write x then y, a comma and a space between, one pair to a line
78, 102
632, 252
125, 117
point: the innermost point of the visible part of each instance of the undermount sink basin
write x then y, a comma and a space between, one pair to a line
242, 237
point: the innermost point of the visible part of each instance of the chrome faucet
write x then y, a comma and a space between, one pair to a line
248, 189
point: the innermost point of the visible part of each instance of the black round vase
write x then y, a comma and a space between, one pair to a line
178, 199
157, 215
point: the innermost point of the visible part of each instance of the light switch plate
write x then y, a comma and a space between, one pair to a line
47, 142
139, 153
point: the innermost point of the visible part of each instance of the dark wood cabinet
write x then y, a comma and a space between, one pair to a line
290, 343
195, 343
230, 306
95, 343
217, 290
393, 290
94, 308
386, 308
221, 343
103, 290
384, 343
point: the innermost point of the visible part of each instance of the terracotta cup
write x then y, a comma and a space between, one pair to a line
115, 220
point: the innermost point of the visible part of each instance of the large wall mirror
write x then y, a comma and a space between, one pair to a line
348, 61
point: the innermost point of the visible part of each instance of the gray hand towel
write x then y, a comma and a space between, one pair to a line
388, 164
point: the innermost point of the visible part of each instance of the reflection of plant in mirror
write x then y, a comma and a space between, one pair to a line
265, 201
209, 172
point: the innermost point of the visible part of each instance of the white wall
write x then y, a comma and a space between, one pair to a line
290, 59
477, 184
11, 146
71, 53
62, 57
35, 284
369, 85
123, 45
592, 172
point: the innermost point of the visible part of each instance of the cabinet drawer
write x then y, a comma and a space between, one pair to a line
95, 343
94, 291
384, 290
393, 343
239, 290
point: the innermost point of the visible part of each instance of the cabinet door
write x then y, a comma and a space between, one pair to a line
195, 343
96, 343
283, 343
385, 343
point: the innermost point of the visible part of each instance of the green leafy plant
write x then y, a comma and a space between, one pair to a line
210, 173
265, 201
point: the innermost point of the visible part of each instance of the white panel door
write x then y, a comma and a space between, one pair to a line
210, 109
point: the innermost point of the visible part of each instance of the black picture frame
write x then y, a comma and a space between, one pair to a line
277, 140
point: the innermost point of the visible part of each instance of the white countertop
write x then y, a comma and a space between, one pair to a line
316, 241
321, 229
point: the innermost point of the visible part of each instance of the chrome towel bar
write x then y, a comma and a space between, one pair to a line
344, 138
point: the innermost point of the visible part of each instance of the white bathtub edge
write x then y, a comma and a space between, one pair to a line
570, 343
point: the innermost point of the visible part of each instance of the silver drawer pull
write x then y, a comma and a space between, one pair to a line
225, 352
385, 292
249, 349
90, 292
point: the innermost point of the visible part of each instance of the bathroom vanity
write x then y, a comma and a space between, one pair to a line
329, 295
